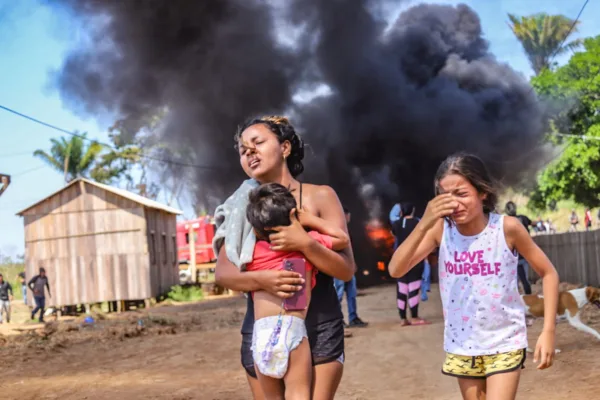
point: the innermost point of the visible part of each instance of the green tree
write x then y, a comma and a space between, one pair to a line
543, 36
573, 93
73, 157
119, 161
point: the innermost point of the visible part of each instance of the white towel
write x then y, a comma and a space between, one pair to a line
234, 228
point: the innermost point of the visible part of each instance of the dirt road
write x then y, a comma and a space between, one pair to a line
192, 352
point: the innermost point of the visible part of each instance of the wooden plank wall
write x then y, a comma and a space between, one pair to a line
92, 244
575, 255
162, 245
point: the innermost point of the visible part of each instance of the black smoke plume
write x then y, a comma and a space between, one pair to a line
401, 96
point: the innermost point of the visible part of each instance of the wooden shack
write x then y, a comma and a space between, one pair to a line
99, 243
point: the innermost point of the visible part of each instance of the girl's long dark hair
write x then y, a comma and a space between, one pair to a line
471, 168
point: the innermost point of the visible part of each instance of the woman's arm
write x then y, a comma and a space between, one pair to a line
419, 244
341, 264
518, 238
339, 238
280, 283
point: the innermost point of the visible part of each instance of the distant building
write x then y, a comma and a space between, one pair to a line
99, 243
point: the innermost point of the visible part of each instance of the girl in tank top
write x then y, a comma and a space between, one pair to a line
485, 335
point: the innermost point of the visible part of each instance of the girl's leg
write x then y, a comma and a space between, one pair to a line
402, 299
257, 393
326, 379
472, 389
503, 386
298, 377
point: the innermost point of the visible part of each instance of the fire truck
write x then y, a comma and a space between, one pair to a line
203, 231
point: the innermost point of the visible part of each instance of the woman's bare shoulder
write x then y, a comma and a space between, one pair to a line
320, 192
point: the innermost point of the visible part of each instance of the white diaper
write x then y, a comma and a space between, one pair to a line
273, 340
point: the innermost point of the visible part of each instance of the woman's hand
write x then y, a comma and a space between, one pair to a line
441, 206
282, 284
290, 238
544, 349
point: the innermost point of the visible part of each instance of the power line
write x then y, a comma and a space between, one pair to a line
83, 137
28, 171
9, 155
584, 137
570, 30
566, 36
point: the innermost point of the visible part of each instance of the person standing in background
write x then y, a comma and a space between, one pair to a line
522, 265
6, 295
408, 286
350, 288
23, 286
588, 219
574, 220
37, 284
395, 215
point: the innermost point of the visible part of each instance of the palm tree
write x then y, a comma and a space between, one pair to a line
71, 157
543, 36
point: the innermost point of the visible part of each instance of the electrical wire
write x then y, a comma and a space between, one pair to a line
83, 137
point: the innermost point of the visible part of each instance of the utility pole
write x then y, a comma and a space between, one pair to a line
5, 181
192, 246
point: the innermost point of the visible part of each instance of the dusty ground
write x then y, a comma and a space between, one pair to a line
191, 352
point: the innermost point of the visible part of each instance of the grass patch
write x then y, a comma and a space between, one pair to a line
185, 293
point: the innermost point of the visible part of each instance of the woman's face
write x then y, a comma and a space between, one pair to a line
470, 201
261, 154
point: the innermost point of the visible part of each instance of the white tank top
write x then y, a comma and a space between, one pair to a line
483, 310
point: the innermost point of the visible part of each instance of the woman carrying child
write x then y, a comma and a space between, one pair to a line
485, 336
271, 152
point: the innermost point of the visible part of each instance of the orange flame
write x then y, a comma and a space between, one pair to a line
381, 237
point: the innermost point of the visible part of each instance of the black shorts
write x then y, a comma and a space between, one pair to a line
326, 344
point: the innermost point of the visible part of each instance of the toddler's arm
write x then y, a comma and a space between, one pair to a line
339, 238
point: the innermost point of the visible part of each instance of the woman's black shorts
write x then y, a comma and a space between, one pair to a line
326, 344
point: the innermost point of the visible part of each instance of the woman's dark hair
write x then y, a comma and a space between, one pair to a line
406, 208
284, 130
473, 170
269, 206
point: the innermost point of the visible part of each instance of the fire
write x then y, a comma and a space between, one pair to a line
381, 237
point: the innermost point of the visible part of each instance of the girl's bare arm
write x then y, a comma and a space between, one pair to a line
519, 239
418, 245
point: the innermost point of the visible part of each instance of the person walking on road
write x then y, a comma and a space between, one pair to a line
37, 284
6, 295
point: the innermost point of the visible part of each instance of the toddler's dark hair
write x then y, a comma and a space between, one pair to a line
269, 206
473, 170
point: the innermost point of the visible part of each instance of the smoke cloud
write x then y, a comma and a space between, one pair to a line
399, 97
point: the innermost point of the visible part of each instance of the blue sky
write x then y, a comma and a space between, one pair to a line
33, 42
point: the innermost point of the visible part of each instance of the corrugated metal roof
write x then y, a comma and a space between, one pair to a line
119, 192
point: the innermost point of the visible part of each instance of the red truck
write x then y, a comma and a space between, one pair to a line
204, 231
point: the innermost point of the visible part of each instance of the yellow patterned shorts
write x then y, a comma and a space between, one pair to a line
480, 367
